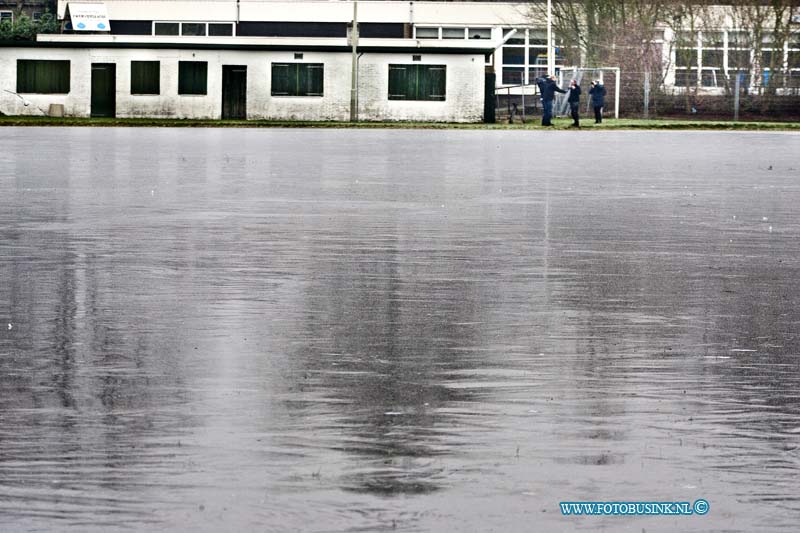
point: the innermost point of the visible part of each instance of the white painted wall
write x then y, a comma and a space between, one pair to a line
464, 101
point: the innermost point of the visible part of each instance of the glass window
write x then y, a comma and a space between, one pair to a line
453, 33
794, 40
6, 16
220, 30
193, 29
537, 56
537, 37
479, 33
709, 78
794, 59
166, 28
686, 57
712, 58
513, 55
713, 39
427, 33
145, 77
297, 79
42, 76
417, 82
739, 39
685, 78
517, 38
192, 77
513, 75
738, 59
772, 59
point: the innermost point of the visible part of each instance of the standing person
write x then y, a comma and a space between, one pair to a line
598, 93
574, 100
548, 89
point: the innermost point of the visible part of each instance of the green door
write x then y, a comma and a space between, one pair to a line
104, 89
234, 92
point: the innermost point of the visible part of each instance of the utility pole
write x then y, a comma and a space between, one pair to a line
551, 60
354, 75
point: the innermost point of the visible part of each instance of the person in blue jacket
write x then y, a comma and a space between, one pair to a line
598, 94
548, 89
574, 100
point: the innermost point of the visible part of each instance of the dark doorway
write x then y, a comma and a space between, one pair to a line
104, 90
234, 92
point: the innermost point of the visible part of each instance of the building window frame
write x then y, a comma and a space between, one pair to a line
43, 76
428, 84
182, 28
193, 78
149, 86
301, 79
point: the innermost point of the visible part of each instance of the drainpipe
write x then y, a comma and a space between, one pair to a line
354, 74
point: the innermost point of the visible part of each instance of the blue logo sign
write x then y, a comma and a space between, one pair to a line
81, 25
101, 26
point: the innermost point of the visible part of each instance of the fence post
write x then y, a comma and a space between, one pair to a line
646, 94
736, 97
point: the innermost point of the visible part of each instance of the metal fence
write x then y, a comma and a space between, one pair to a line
645, 95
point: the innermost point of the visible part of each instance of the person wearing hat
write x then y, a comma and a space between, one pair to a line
598, 94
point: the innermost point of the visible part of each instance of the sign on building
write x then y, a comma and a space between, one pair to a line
88, 17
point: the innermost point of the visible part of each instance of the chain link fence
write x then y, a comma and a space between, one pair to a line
643, 94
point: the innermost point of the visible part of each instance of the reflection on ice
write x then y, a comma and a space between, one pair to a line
406, 330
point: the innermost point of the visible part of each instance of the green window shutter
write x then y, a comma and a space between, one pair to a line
280, 79
398, 81
43, 76
311, 79
433, 82
192, 77
297, 79
145, 77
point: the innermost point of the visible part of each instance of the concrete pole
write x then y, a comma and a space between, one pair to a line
647, 93
354, 74
551, 60
736, 96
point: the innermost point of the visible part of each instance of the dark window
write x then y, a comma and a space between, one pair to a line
297, 79
37, 15
712, 58
291, 29
417, 82
6, 16
192, 77
167, 28
298, 56
131, 27
794, 59
686, 57
517, 38
381, 30
685, 78
738, 59
513, 75
513, 55
42, 76
770, 59
145, 77
193, 29
220, 30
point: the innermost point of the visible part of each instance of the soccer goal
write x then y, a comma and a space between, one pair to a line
608, 76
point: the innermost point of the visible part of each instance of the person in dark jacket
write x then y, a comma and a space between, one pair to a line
598, 94
548, 89
574, 100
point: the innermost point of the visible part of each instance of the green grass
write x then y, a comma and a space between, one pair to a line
531, 124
